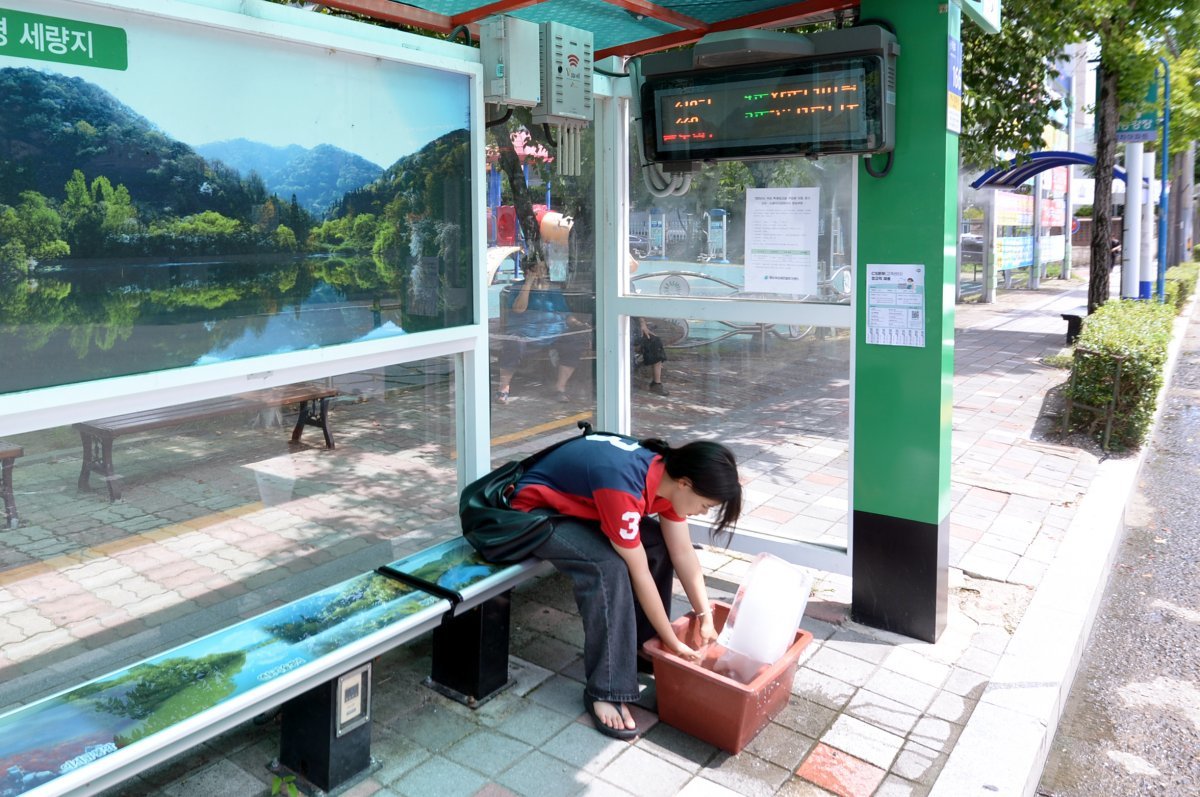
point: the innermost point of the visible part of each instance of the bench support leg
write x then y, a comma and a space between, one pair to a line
309, 418
6, 489
97, 456
309, 744
470, 652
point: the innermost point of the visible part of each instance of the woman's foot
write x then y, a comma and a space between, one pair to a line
611, 719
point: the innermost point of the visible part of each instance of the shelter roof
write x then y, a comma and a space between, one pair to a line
1024, 168
619, 27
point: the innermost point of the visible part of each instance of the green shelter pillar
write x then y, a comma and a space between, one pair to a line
903, 386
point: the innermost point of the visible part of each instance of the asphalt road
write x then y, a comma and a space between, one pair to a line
1132, 721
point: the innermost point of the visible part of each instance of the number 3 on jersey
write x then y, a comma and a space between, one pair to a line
632, 521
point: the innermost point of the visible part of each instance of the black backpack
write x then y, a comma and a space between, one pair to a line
501, 534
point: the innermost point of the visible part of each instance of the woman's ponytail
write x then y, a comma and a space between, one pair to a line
656, 445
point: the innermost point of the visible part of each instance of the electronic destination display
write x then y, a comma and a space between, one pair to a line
811, 107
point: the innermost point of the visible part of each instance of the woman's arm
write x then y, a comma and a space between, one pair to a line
647, 596
521, 303
678, 538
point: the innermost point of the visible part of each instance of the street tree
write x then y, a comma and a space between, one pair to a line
1132, 35
1008, 104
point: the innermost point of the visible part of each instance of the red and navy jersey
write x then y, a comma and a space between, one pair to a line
598, 477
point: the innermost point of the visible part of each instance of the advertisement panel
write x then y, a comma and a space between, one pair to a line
176, 194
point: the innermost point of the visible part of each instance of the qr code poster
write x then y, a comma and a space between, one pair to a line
896, 305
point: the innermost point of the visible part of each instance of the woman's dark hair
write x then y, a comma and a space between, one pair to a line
712, 470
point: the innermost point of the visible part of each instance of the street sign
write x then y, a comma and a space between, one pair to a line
1145, 127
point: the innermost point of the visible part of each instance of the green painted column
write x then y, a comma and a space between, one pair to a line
903, 395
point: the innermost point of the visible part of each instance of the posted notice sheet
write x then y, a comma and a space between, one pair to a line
896, 305
781, 240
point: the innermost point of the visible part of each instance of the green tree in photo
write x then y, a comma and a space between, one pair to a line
36, 226
158, 695
95, 215
285, 239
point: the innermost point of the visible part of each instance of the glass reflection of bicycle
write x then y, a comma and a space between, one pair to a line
678, 333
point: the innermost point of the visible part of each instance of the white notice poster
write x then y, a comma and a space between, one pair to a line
781, 240
896, 305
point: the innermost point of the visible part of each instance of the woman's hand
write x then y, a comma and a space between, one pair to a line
681, 650
708, 631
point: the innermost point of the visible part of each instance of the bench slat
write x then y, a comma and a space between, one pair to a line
147, 420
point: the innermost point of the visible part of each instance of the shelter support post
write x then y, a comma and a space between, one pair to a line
903, 394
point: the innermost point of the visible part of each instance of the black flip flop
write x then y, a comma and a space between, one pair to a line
624, 734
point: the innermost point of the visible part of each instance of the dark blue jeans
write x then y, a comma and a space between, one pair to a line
614, 625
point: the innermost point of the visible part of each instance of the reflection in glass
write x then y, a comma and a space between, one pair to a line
697, 244
542, 296
782, 403
221, 515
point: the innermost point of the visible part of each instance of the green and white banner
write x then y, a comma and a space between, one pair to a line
65, 41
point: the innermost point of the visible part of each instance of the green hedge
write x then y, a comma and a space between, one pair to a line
1181, 283
1139, 332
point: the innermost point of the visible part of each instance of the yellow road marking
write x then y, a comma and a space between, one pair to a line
541, 428
106, 550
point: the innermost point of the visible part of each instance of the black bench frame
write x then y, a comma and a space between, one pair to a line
97, 436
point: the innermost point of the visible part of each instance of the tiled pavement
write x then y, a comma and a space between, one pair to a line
871, 713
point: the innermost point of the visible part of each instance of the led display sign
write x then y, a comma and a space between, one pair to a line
818, 104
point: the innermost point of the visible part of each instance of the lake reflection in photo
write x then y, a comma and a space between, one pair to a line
74, 323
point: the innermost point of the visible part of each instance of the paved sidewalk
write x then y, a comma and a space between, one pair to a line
871, 713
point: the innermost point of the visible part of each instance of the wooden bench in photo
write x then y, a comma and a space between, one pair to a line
301, 655
98, 436
8, 454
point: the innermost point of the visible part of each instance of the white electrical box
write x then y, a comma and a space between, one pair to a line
508, 48
566, 75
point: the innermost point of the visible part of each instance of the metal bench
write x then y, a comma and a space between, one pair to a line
97, 436
8, 454
313, 656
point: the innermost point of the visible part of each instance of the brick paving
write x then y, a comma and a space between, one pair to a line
201, 540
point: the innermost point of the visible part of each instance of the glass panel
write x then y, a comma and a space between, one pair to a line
779, 397
220, 515
769, 229
140, 230
542, 298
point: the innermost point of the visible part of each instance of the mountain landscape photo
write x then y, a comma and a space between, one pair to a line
318, 176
